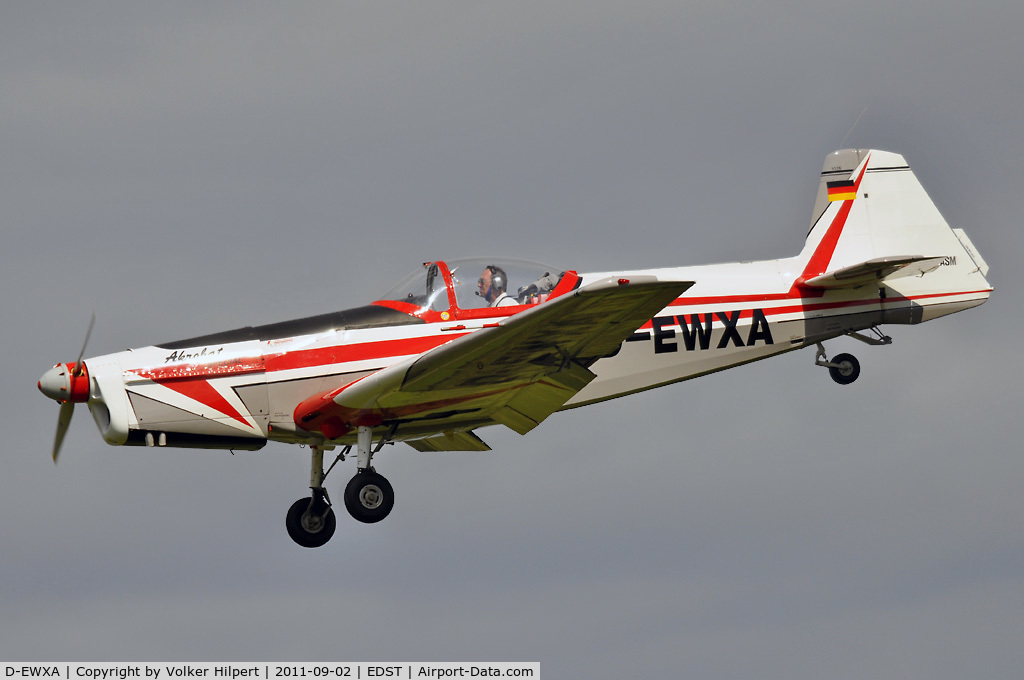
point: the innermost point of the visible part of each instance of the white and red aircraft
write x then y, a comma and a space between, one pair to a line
457, 346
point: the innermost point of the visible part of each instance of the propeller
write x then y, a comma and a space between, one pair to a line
69, 385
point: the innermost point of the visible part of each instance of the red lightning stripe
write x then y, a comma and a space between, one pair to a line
196, 389
193, 381
205, 393
826, 249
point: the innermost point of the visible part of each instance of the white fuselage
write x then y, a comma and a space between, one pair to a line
736, 313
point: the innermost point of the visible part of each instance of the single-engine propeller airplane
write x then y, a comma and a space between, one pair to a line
460, 345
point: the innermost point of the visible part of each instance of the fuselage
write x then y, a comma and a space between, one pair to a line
240, 388
878, 252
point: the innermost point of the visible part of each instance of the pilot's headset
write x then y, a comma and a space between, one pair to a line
498, 281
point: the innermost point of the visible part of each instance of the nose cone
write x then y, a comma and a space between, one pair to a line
64, 383
55, 383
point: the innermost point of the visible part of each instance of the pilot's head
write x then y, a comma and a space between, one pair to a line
492, 283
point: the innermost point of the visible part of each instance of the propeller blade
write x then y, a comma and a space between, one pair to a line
78, 364
67, 409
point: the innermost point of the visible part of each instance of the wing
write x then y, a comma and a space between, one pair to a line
516, 373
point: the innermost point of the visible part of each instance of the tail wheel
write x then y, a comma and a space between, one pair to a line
369, 497
844, 368
310, 526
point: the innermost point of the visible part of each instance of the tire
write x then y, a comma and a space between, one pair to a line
303, 528
847, 369
369, 497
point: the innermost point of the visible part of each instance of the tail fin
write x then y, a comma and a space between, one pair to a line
874, 224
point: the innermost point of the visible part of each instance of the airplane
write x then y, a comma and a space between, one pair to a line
439, 356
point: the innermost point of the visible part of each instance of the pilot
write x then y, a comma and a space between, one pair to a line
491, 287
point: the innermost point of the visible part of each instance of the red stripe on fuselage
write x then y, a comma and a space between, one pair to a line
360, 351
219, 369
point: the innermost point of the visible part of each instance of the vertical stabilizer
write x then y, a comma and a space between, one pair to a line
875, 226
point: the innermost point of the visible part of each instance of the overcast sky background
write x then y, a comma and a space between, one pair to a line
182, 168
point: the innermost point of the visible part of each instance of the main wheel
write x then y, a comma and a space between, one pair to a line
310, 529
369, 497
846, 370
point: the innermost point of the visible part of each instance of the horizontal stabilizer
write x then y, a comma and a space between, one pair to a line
875, 270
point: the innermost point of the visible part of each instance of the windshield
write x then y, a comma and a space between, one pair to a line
423, 288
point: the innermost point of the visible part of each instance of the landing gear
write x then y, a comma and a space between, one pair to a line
844, 368
311, 522
369, 497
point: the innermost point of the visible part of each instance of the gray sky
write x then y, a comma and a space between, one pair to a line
186, 168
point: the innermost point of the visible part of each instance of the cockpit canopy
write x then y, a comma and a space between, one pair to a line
436, 291
458, 285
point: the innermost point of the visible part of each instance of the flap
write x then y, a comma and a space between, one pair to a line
533, 403
875, 271
450, 441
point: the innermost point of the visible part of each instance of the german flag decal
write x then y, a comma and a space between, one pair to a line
842, 190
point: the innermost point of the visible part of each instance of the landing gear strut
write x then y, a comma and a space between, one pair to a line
311, 521
844, 368
369, 497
